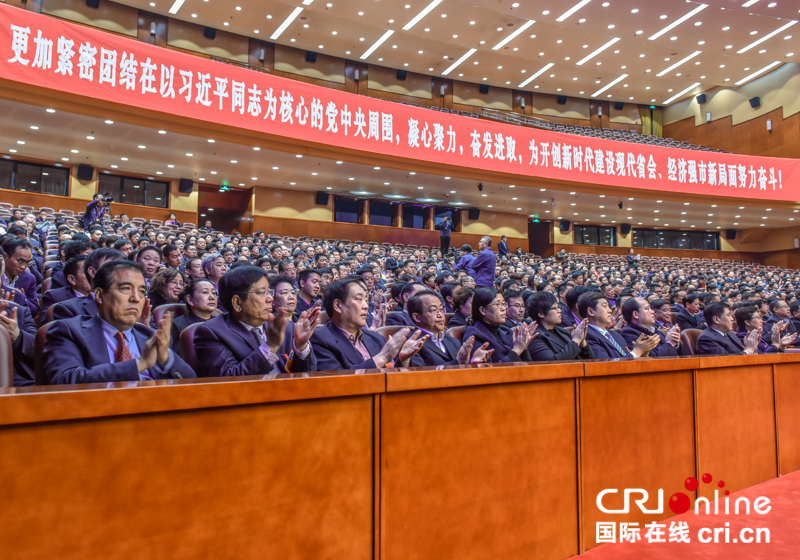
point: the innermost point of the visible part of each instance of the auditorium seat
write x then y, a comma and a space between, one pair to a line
388, 331
6, 360
187, 345
447, 317
178, 308
457, 333
689, 338
41, 334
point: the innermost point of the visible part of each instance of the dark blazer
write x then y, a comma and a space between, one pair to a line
26, 283
686, 320
712, 342
334, 350
766, 336
178, 326
502, 248
631, 332
225, 348
75, 352
75, 307
567, 320
602, 348
51, 297
502, 348
431, 355
400, 318
557, 345
457, 320
23, 347
58, 280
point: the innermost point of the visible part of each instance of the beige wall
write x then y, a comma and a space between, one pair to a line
385, 79
184, 202
293, 61
778, 89
285, 203
495, 224
79, 189
469, 94
760, 240
624, 240
109, 15
189, 36
560, 238
629, 114
575, 108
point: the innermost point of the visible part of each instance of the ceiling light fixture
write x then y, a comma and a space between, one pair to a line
176, 6
425, 11
681, 93
749, 3
765, 37
536, 75
610, 84
519, 30
455, 65
572, 10
285, 23
682, 61
377, 44
598, 51
678, 21
758, 72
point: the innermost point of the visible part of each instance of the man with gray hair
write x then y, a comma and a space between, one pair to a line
483, 267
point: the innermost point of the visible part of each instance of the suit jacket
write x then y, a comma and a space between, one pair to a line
602, 348
567, 319
502, 347
51, 297
178, 326
431, 355
712, 342
502, 248
26, 283
75, 307
457, 320
400, 318
631, 332
766, 336
75, 351
335, 351
686, 320
557, 345
23, 348
225, 348
58, 280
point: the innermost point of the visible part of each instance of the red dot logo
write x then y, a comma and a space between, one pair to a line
679, 503
691, 484
707, 478
721, 483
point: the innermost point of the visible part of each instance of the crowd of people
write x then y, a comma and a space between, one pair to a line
256, 306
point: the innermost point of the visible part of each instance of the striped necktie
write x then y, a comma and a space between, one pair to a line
615, 344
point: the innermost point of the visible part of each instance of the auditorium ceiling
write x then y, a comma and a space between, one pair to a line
32, 132
632, 51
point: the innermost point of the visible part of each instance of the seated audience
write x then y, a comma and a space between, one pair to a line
719, 338
19, 255
87, 305
749, 319
78, 286
640, 320
488, 318
607, 343
215, 268
555, 343
112, 345
402, 317
309, 281
17, 321
252, 338
201, 299
166, 287
779, 313
686, 318
462, 303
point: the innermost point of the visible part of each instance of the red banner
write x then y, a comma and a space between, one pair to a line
62, 56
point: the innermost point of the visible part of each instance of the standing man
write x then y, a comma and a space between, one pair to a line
94, 212
483, 267
444, 234
502, 247
466, 258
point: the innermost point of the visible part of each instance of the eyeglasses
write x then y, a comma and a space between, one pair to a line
554, 308
499, 304
260, 293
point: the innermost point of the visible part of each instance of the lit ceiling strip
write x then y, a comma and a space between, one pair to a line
680, 94
674, 66
765, 37
572, 10
425, 11
453, 66
176, 6
598, 51
286, 23
749, 3
539, 73
519, 30
607, 86
758, 72
679, 21
307, 2
377, 44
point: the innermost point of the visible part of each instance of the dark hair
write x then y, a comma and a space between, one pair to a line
714, 310
745, 313
97, 256
773, 305
339, 289
589, 300
658, 303
629, 307
305, 273
104, 278
143, 250
73, 265
167, 249
690, 298
483, 297
415, 302
276, 279
409, 287
447, 289
192, 286
508, 294
397, 289
539, 304
237, 282
12, 244
283, 264
574, 295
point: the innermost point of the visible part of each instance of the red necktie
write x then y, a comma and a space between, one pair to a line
122, 353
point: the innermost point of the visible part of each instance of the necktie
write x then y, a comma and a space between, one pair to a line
257, 334
122, 354
614, 343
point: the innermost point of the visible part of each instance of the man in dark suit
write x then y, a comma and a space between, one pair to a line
309, 281
440, 349
555, 343
719, 338
17, 320
345, 342
686, 318
17, 276
641, 320
253, 338
502, 247
112, 346
482, 268
87, 305
779, 311
79, 286
402, 317
606, 343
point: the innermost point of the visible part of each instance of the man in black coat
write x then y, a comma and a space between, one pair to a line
17, 320
402, 317
555, 343
686, 318
719, 338
641, 320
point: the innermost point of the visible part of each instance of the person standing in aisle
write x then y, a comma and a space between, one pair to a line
444, 234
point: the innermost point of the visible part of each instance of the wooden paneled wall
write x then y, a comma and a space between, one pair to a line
679, 253
750, 137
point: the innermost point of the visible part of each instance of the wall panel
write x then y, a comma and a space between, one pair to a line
189, 36
293, 61
384, 80
110, 16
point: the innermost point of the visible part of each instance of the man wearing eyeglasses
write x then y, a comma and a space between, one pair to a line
255, 337
515, 314
17, 276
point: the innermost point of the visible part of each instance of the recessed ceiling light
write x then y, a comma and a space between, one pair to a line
51, 110
160, 131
